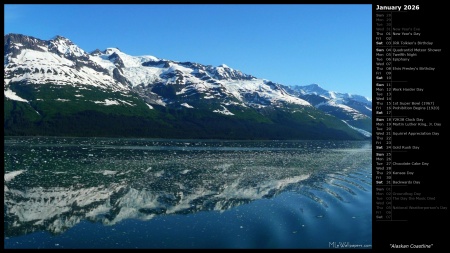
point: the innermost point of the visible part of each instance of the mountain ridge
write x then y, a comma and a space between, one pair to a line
150, 88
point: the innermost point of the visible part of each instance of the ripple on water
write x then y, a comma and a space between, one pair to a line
216, 193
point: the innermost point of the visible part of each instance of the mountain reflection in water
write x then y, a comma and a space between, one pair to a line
52, 184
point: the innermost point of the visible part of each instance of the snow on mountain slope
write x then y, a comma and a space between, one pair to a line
211, 81
65, 47
335, 96
357, 105
113, 58
61, 62
259, 86
56, 61
355, 114
354, 110
362, 131
13, 96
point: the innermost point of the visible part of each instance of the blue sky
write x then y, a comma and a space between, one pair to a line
300, 44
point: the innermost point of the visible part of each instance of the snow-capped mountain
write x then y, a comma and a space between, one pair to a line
44, 75
356, 110
355, 104
58, 60
32, 60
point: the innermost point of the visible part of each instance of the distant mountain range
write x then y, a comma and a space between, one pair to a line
53, 87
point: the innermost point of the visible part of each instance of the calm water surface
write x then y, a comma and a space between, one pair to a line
155, 193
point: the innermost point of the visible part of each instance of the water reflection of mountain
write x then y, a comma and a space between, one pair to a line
56, 200
57, 209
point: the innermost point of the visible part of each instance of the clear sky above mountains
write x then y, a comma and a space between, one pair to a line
289, 44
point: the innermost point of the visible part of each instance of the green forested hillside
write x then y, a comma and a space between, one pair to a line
57, 110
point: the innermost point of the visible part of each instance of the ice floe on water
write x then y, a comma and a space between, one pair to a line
107, 172
149, 180
11, 175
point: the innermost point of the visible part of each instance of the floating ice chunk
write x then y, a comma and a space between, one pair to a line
159, 173
186, 105
10, 175
107, 172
